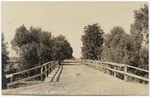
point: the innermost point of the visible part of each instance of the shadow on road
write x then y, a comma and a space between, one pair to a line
54, 75
58, 77
57, 74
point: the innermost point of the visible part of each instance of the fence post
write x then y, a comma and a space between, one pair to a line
50, 67
107, 69
45, 71
41, 74
114, 71
11, 79
125, 71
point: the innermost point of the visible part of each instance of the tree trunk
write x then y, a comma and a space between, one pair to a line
4, 80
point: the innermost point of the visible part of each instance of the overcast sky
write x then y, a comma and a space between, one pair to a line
66, 18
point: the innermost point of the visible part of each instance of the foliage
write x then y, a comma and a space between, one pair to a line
45, 49
5, 58
139, 38
29, 56
25, 43
36, 46
117, 46
130, 49
141, 22
62, 48
92, 42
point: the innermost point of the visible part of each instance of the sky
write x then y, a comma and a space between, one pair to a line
66, 18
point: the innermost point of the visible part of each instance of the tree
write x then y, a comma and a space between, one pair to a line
36, 47
5, 60
33, 45
92, 42
62, 48
29, 55
45, 50
22, 37
139, 38
140, 24
117, 46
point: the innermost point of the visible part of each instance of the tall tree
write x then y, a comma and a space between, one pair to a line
140, 24
92, 41
139, 38
33, 45
62, 48
45, 50
117, 46
5, 60
36, 46
29, 55
22, 37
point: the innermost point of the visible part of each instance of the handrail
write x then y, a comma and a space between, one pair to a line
45, 70
9, 75
138, 68
114, 69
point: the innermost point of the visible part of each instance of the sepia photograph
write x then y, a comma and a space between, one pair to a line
75, 48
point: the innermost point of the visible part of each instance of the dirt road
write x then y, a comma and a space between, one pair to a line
77, 79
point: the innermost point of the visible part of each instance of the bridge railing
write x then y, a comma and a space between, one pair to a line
116, 68
45, 69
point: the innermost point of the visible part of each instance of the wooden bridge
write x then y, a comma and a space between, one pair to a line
84, 77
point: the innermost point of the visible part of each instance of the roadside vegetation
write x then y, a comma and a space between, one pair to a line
117, 45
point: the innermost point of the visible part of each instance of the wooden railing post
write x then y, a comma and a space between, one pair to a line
114, 71
11, 79
125, 71
41, 74
107, 69
50, 67
45, 70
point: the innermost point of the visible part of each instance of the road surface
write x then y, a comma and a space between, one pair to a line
77, 79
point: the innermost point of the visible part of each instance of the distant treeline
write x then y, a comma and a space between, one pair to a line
118, 46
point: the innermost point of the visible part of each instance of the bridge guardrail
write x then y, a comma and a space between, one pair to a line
110, 66
45, 69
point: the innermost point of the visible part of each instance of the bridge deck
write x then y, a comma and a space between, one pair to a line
77, 79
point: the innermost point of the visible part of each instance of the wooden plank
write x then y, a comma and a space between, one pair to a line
30, 82
45, 70
94, 63
137, 68
28, 78
138, 77
117, 64
24, 71
115, 72
118, 71
125, 76
41, 73
9, 75
47, 63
